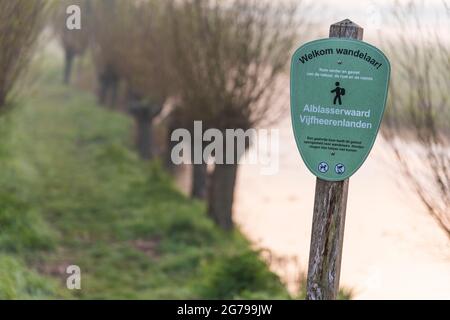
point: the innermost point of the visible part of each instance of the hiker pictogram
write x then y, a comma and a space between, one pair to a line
339, 92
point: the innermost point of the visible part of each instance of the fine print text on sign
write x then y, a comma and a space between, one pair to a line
338, 96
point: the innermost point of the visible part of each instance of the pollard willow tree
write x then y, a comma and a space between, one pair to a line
21, 22
106, 46
418, 126
73, 42
144, 66
230, 57
129, 49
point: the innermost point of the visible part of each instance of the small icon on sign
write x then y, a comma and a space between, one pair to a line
339, 92
340, 168
323, 167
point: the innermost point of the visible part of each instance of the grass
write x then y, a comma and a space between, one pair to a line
73, 192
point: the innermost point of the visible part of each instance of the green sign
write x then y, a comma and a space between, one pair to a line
338, 96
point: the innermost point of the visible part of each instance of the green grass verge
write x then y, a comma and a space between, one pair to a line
72, 191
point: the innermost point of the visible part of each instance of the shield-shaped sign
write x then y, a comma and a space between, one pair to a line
338, 97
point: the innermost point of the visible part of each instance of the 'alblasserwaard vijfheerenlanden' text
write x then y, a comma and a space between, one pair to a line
313, 120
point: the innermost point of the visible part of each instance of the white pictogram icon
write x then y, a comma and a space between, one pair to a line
340, 168
323, 167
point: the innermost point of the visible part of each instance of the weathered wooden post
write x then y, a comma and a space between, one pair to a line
330, 204
338, 95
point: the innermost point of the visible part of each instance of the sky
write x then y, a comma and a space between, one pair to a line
374, 16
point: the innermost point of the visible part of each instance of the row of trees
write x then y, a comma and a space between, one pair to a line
215, 61
21, 22
219, 62
228, 64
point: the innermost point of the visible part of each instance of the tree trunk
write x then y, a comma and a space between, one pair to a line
108, 87
2, 101
68, 65
199, 170
144, 136
103, 89
113, 86
221, 194
199, 178
170, 166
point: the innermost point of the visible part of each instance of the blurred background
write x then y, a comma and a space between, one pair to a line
87, 109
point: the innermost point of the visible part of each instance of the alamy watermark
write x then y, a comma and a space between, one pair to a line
230, 146
73, 281
73, 21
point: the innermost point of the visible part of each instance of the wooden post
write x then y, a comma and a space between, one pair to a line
330, 204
